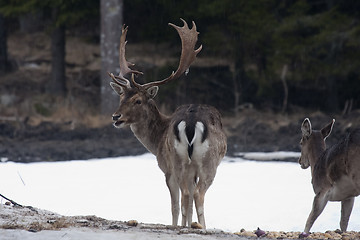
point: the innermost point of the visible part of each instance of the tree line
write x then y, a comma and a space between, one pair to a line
284, 52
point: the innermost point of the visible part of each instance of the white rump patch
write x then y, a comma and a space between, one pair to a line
199, 147
182, 145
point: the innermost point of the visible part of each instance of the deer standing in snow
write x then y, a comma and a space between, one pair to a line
335, 170
188, 145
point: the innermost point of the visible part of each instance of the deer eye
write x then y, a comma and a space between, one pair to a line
138, 101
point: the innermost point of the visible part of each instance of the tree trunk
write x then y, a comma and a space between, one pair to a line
240, 80
4, 65
111, 12
57, 84
285, 86
58, 78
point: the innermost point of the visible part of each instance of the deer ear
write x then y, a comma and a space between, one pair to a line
306, 128
153, 91
325, 131
117, 88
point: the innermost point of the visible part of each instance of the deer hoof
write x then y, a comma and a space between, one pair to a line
304, 235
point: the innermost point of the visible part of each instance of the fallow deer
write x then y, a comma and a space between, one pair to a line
335, 170
188, 145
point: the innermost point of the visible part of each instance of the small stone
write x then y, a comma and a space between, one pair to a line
276, 235
83, 221
196, 225
8, 203
346, 238
118, 227
328, 235
246, 234
184, 231
259, 232
132, 223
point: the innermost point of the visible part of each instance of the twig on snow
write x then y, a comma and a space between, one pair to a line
16, 204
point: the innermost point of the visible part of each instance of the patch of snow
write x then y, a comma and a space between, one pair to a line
245, 194
31, 65
264, 156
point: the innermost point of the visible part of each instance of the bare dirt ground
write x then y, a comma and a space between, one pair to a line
17, 222
251, 131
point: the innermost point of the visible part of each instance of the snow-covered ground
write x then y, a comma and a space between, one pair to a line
245, 194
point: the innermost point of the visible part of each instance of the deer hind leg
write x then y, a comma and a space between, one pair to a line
199, 205
319, 204
174, 194
346, 208
199, 196
187, 198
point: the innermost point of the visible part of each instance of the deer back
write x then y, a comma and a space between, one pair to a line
343, 158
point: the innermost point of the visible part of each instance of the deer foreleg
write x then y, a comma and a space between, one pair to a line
346, 208
174, 194
319, 204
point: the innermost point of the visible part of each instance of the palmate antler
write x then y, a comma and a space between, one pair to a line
188, 38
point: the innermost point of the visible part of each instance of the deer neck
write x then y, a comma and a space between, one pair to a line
315, 156
318, 169
150, 130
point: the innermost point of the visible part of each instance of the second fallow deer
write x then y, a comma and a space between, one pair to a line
335, 170
188, 145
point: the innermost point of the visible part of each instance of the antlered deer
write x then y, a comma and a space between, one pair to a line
188, 145
335, 170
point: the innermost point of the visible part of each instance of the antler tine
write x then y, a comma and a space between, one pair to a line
117, 78
124, 65
188, 38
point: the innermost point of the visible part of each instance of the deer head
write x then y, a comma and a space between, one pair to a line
137, 99
312, 142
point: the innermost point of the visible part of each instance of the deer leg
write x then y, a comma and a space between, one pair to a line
199, 196
174, 194
187, 196
319, 204
199, 205
184, 205
189, 213
346, 208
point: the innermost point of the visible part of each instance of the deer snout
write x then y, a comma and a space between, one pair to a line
116, 117
304, 165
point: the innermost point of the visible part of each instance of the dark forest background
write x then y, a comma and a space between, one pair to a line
265, 64
273, 54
